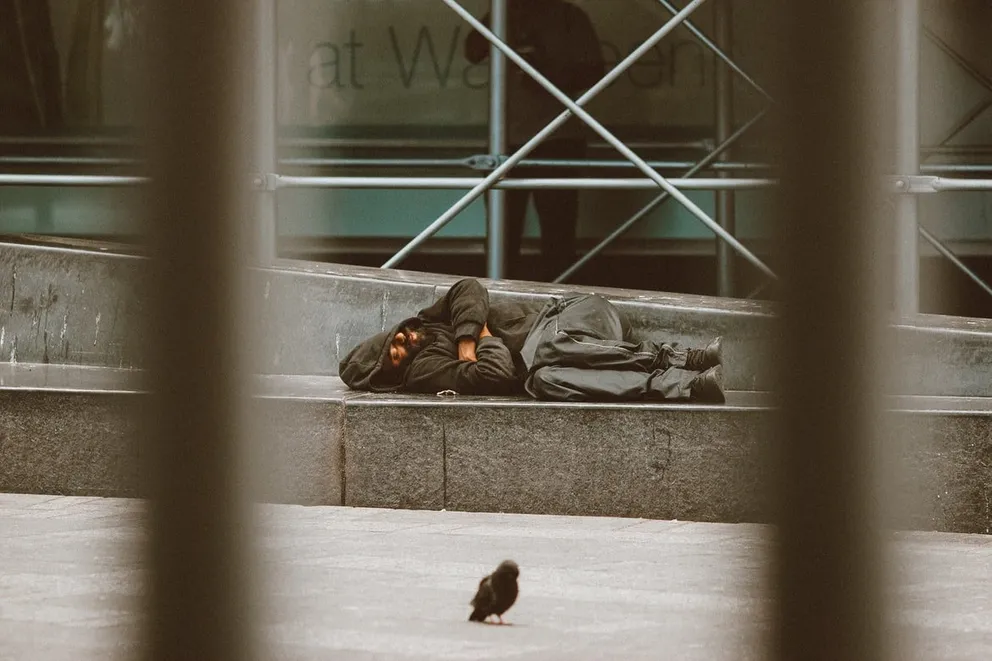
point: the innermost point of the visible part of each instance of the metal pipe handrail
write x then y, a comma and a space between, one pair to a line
948, 184
471, 162
952, 168
604, 133
956, 150
427, 143
287, 181
461, 143
474, 162
69, 140
337, 143
917, 184
928, 185
550, 128
94, 180
85, 161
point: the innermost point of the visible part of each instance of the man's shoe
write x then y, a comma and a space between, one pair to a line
700, 360
708, 386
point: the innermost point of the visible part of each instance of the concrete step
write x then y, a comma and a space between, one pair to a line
78, 307
75, 431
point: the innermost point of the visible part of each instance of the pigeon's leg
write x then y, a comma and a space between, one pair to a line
501, 619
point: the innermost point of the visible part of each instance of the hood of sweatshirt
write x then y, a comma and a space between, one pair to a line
367, 366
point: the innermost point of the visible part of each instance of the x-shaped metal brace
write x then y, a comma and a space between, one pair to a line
575, 107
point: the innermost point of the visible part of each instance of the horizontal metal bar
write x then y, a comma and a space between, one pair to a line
728, 166
432, 143
429, 143
69, 160
953, 167
68, 180
473, 162
916, 184
343, 143
957, 150
470, 162
947, 184
69, 140
376, 162
284, 181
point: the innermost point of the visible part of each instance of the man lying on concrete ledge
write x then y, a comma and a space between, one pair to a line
575, 348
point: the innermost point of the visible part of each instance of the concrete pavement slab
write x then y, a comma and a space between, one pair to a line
351, 583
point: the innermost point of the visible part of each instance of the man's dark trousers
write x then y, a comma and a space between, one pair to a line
577, 351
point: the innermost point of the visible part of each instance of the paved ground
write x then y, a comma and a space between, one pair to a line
366, 584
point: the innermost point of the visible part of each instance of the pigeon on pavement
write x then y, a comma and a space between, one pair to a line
496, 593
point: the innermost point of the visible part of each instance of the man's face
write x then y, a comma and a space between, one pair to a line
404, 346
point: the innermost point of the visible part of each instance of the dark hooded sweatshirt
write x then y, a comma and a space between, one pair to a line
461, 313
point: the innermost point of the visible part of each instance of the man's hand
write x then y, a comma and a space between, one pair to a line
485, 331
466, 349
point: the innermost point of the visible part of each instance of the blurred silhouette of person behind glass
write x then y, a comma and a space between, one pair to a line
558, 39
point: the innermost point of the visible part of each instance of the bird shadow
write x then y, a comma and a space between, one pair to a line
505, 624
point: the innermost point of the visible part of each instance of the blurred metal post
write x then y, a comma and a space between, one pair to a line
496, 216
725, 271
827, 564
266, 108
907, 285
199, 135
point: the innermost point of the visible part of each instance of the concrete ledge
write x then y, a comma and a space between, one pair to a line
74, 431
77, 431
635, 461
69, 443
83, 307
699, 463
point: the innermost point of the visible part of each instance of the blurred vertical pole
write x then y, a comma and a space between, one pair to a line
723, 18
496, 216
831, 120
266, 65
199, 148
907, 285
